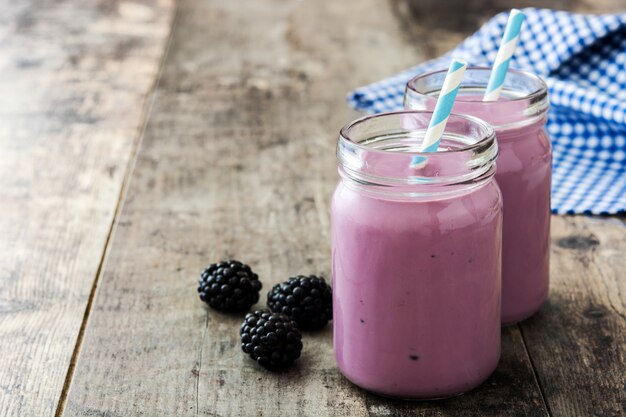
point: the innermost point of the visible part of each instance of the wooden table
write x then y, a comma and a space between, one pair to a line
142, 140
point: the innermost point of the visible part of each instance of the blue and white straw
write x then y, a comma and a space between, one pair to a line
442, 111
503, 57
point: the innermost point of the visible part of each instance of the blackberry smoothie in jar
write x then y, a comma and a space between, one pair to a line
416, 256
523, 174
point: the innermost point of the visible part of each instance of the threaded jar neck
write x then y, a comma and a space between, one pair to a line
523, 101
375, 154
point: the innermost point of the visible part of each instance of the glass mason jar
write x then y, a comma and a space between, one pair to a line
416, 257
523, 174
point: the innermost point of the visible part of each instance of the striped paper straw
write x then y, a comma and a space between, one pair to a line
442, 110
503, 58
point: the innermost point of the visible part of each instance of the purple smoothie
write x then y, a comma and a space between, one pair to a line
523, 174
416, 265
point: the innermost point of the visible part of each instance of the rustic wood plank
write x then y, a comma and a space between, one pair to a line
238, 161
578, 340
75, 75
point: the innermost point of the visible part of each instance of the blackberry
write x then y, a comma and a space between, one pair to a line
307, 300
271, 339
229, 286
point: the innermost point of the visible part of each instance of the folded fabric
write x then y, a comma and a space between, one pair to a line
583, 60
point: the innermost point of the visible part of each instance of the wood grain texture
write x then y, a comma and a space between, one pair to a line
238, 161
578, 340
75, 75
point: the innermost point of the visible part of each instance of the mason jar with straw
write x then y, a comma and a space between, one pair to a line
515, 103
416, 246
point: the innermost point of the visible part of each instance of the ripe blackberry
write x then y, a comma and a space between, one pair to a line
307, 300
229, 286
271, 339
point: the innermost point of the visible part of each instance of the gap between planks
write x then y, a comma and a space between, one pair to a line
130, 167
544, 399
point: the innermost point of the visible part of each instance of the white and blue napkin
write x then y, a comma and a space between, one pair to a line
583, 60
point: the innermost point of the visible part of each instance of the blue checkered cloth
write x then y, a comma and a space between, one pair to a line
583, 60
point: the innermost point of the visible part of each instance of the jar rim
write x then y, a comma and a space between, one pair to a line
486, 137
540, 91
376, 152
